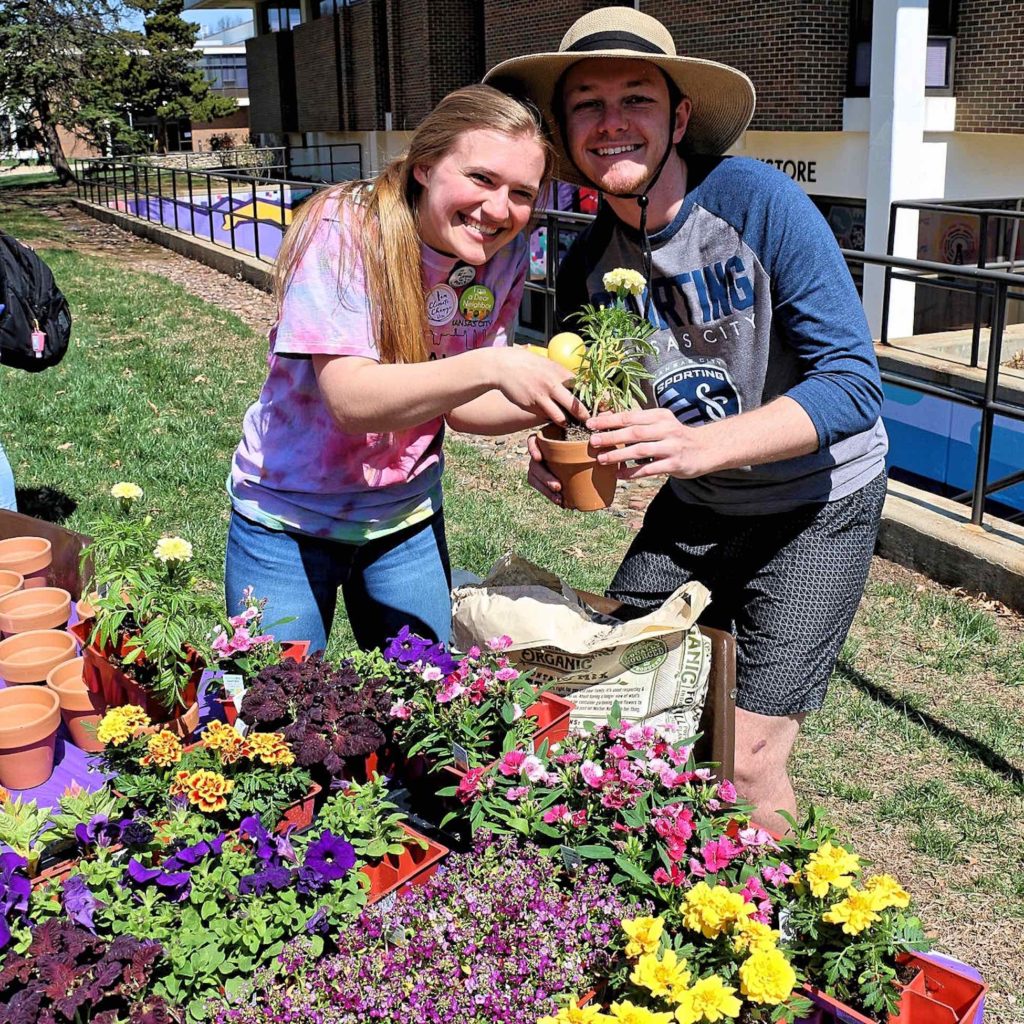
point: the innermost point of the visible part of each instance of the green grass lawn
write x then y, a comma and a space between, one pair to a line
917, 755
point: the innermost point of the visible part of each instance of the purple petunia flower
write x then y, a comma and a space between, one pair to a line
407, 648
79, 902
15, 889
252, 828
330, 857
190, 856
135, 832
272, 877
99, 831
318, 924
175, 882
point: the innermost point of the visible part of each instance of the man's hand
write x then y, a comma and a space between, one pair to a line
655, 439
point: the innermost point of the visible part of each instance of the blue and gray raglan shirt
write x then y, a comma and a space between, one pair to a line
752, 300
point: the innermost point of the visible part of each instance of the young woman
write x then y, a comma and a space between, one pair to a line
397, 304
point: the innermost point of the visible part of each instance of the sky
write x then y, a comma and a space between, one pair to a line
207, 20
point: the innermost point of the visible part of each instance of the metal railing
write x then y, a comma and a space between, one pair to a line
996, 285
244, 212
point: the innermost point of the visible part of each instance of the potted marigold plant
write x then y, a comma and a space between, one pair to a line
151, 615
608, 379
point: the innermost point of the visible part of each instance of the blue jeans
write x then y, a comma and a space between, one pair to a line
7, 499
403, 579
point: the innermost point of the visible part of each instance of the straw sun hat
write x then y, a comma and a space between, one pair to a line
722, 97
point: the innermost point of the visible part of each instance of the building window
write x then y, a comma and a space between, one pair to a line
279, 16
942, 22
225, 71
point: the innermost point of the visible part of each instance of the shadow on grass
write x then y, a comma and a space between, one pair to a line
45, 503
992, 760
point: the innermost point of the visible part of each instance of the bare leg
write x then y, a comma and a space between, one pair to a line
763, 745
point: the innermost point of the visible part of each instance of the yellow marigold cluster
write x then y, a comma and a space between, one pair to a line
830, 866
162, 749
270, 748
118, 725
863, 907
714, 909
666, 976
204, 789
576, 1014
749, 935
766, 976
126, 491
227, 741
644, 934
620, 280
173, 549
710, 999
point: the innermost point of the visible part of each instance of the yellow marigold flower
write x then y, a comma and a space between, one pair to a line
855, 913
709, 999
713, 909
270, 748
661, 977
627, 1013
644, 935
218, 735
620, 280
119, 724
163, 749
831, 866
766, 976
207, 790
576, 1014
173, 549
126, 491
134, 716
750, 935
887, 892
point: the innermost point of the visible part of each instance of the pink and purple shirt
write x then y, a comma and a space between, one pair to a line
294, 468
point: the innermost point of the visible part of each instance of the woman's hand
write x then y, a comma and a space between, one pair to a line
535, 384
540, 478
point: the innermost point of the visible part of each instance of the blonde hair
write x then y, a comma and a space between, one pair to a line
385, 230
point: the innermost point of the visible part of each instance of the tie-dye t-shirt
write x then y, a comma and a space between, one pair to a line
294, 469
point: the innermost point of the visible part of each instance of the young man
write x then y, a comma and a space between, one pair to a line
763, 410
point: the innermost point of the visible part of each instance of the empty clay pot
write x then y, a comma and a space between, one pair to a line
29, 556
30, 657
29, 719
10, 581
587, 485
38, 608
84, 608
80, 709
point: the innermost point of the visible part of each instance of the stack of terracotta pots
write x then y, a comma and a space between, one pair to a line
35, 649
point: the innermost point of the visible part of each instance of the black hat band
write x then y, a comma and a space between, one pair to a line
614, 40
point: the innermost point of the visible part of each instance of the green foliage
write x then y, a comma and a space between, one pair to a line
78, 806
609, 378
367, 819
21, 826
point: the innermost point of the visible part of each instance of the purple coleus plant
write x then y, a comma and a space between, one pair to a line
68, 974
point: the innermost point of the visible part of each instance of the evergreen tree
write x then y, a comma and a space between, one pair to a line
162, 78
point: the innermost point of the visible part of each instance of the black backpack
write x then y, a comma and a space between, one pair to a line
32, 304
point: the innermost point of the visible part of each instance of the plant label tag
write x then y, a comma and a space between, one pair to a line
234, 687
38, 342
241, 727
571, 859
460, 755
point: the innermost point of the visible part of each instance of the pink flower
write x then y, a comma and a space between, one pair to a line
517, 793
677, 877
238, 620
263, 638
579, 819
640, 735
592, 774
512, 763
241, 641
754, 890
695, 868
431, 674
533, 768
473, 652
704, 774
400, 709
558, 813
499, 643
718, 853
469, 786
451, 689
550, 779
727, 791
777, 876
754, 836
506, 675
221, 645
571, 757
676, 849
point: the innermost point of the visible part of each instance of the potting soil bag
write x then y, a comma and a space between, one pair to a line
655, 667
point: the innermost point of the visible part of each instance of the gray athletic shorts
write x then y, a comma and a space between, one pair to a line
786, 584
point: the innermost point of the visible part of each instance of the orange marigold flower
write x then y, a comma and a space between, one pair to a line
164, 749
207, 790
270, 748
180, 785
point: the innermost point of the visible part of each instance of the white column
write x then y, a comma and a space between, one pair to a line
897, 162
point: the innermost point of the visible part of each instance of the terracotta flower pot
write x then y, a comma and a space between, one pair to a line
84, 608
10, 581
38, 608
28, 556
182, 725
586, 484
30, 657
29, 719
79, 707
